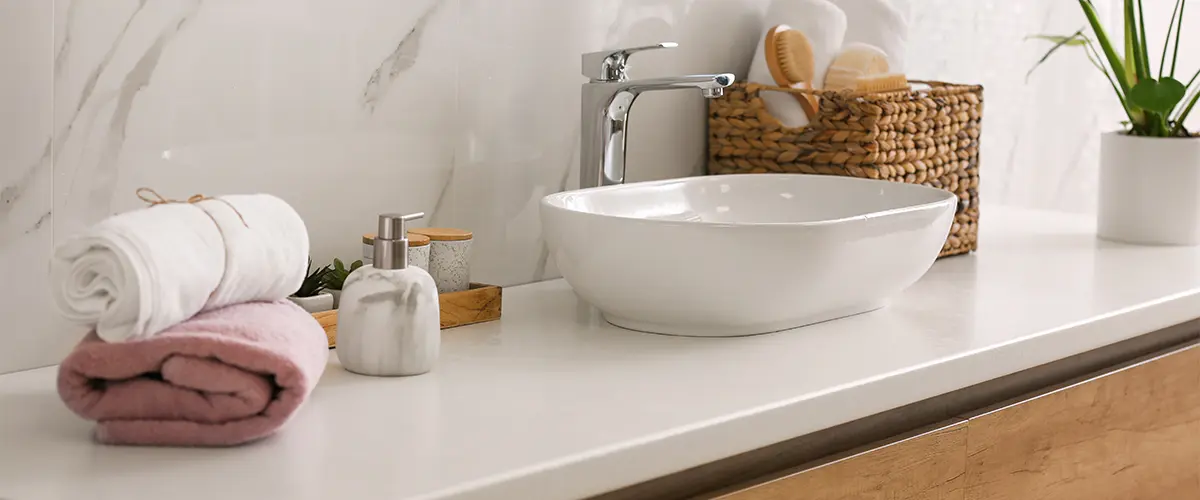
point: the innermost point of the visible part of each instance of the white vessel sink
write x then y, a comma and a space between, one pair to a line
746, 254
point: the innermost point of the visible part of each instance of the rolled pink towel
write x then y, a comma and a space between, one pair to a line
224, 377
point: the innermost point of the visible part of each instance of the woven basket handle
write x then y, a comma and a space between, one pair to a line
933, 83
756, 88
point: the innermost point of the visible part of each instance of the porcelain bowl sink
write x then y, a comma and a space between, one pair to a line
745, 254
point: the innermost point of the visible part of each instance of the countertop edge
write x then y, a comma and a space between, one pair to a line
632, 462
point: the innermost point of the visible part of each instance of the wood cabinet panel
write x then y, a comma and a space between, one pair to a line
929, 466
1128, 435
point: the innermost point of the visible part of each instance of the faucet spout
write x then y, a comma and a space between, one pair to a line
702, 82
605, 114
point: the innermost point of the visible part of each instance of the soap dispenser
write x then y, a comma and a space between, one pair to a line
389, 322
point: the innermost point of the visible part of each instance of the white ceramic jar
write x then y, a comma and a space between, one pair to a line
368, 248
449, 257
1149, 190
320, 302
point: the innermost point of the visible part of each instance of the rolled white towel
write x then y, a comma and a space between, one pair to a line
821, 21
137, 273
879, 23
824, 24
782, 106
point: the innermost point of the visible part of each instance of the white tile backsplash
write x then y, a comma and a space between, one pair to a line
32, 334
467, 110
1041, 131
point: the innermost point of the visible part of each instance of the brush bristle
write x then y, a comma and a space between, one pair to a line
791, 47
883, 83
841, 78
856, 60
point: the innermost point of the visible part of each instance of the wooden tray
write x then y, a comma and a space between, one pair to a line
477, 304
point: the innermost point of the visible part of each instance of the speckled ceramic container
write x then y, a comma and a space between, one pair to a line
418, 252
449, 257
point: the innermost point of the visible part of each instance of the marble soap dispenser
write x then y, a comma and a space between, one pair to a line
389, 323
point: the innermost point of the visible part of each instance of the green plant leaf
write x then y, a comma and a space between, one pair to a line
1178, 33
335, 279
1167, 42
1094, 57
1159, 96
314, 281
1074, 40
1182, 115
1133, 63
1143, 47
1191, 91
1114, 61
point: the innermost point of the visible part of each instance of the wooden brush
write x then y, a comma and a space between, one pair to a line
790, 60
855, 61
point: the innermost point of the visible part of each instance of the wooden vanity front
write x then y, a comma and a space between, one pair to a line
1131, 432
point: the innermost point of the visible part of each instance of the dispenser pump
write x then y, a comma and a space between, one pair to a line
391, 241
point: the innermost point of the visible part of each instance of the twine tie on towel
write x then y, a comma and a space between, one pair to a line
152, 198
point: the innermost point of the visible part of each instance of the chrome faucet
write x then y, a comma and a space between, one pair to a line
606, 101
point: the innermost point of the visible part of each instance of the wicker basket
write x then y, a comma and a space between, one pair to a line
924, 136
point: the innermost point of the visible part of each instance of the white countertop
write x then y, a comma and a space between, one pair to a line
550, 402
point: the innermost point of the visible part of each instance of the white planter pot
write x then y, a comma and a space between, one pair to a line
1149, 190
337, 297
317, 303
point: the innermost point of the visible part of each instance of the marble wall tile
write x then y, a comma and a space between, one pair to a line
344, 109
31, 332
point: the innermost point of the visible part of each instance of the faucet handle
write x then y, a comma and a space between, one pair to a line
609, 65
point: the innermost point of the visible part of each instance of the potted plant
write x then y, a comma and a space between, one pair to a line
312, 295
336, 278
1150, 170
